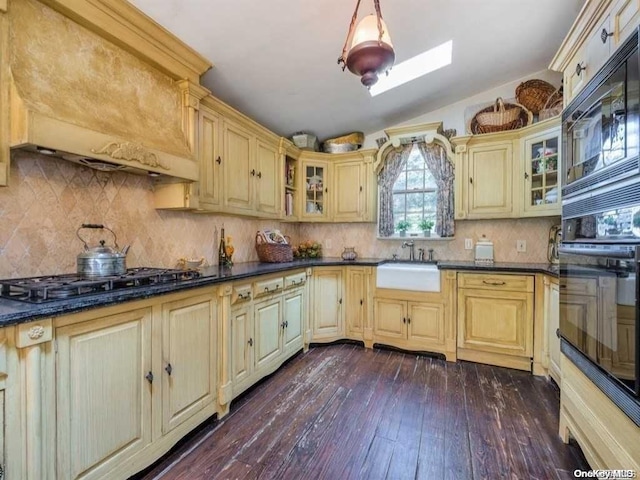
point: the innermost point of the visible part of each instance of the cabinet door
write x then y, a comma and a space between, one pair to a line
625, 16
327, 303
268, 331
315, 181
596, 51
241, 333
188, 358
390, 317
539, 185
238, 161
553, 324
425, 324
103, 400
348, 191
579, 315
496, 322
490, 181
210, 160
269, 192
293, 319
356, 295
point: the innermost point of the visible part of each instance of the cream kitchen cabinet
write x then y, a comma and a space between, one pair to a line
601, 27
327, 312
104, 387
499, 175
267, 325
495, 319
552, 326
337, 187
241, 167
131, 380
357, 302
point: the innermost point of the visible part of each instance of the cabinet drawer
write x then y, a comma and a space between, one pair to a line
241, 294
295, 280
579, 286
490, 281
267, 287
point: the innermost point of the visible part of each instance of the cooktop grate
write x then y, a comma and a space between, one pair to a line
56, 287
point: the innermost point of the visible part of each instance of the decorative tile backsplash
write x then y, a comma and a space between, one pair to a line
48, 199
503, 233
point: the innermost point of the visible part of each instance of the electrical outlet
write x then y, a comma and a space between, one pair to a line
468, 244
521, 246
327, 243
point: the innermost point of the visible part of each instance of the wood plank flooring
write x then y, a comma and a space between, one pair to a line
342, 412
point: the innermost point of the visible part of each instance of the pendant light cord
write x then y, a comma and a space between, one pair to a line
343, 58
376, 4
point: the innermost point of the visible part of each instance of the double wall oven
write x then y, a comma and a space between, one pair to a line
600, 251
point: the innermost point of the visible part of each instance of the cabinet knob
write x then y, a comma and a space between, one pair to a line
526, 176
326, 190
250, 342
218, 160
471, 180
168, 369
580, 67
259, 174
558, 332
361, 301
149, 377
408, 319
360, 187
604, 35
404, 320
340, 301
253, 173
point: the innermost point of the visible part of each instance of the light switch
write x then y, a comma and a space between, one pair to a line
468, 244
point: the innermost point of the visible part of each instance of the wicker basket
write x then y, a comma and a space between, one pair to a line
553, 106
534, 94
519, 117
273, 252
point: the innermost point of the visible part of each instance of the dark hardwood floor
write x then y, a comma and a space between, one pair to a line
341, 412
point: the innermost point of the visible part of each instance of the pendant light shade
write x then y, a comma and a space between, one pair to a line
370, 51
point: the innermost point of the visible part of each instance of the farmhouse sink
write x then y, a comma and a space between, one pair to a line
422, 277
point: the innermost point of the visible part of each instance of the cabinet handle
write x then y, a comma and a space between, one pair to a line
404, 320
283, 325
495, 284
259, 174
579, 68
250, 342
266, 289
526, 176
360, 187
471, 180
253, 173
361, 301
286, 324
326, 190
340, 301
218, 160
149, 377
168, 369
409, 320
604, 35
245, 296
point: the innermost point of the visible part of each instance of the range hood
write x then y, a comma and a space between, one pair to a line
77, 95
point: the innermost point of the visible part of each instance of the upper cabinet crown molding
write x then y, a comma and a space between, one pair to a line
124, 25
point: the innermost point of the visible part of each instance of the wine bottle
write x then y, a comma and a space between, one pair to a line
222, 250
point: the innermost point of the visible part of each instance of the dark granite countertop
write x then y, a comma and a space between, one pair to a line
547, 268
13, 311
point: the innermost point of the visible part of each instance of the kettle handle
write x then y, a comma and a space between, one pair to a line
97, 226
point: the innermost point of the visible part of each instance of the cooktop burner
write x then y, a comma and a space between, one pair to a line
55, 287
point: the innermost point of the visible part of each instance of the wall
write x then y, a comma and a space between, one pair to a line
503, 233
453, 116
49, 198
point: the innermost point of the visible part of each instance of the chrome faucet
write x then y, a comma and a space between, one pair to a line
421, 254
430, 259
411, 251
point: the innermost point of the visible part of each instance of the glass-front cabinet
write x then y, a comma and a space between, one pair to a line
541, 159
316, 189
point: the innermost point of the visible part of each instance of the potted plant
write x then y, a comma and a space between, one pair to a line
426, 226
403, 226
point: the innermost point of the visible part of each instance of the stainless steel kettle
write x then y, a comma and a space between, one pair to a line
101, 260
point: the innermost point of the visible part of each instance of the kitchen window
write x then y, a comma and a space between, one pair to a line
415, 185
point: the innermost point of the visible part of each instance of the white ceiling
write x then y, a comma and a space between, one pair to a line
276, 60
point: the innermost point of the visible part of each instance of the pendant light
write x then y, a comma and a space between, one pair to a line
368, 51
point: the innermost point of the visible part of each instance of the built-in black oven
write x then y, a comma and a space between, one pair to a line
600, 126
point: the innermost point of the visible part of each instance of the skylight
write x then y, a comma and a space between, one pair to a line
425, 62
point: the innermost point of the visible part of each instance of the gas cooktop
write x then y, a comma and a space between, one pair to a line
56, 287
